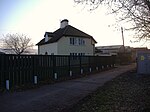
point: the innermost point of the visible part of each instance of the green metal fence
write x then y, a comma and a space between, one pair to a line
18, 70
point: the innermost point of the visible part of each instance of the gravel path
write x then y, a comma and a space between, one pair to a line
59, 96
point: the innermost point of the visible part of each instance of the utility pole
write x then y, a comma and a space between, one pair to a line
123, 39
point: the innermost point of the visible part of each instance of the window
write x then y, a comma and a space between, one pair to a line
77, 41
73, 41
83, 42
81, 54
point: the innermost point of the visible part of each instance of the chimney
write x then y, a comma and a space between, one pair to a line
64, 23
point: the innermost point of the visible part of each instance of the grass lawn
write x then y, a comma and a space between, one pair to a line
128, 92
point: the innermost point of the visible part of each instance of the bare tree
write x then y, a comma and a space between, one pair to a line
19, 43
137, 12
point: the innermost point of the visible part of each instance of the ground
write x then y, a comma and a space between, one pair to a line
128, 92
115, 90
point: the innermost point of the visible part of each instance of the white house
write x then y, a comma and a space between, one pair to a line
67, 40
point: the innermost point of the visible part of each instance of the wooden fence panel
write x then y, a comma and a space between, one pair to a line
21, 70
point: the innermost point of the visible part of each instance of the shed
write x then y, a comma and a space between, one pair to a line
143, 62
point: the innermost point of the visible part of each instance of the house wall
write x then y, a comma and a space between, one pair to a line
49, 48
65, 48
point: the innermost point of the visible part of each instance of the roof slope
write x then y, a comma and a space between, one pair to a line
67, 31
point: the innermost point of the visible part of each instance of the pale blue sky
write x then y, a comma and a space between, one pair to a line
34, 17
13, 11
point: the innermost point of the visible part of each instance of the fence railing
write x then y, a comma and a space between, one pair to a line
18, 70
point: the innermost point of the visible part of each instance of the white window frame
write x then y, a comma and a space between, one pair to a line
77, 41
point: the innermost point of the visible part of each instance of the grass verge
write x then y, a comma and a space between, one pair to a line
128, 92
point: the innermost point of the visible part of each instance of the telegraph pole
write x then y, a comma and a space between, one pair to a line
122, 39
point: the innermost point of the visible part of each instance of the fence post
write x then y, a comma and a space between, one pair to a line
97, 68
7, 71
55, 76
34, 66
35, 79
81, 70
54, 67
70, 73
69, 66
7, 84
90, 69
2, 71
89, 63
107, 66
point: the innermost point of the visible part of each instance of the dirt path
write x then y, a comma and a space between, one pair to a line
56, 97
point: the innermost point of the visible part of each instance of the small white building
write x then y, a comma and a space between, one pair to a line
67, 40
112, 50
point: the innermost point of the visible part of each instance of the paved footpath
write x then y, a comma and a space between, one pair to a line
55, 97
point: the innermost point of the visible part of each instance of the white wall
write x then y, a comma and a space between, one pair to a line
49, 48
64, 47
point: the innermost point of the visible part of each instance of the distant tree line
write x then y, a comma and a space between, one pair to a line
19, 43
